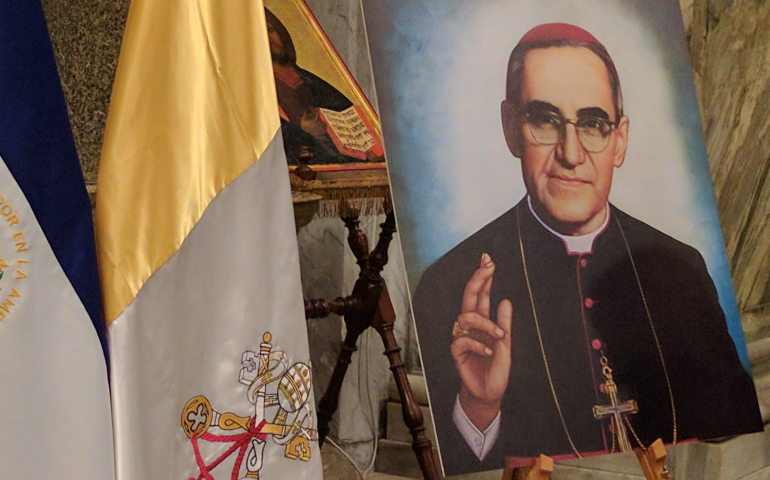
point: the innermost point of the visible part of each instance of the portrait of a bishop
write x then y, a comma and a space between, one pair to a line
566, 323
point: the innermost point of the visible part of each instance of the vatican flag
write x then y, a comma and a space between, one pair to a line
54, 395
198, 255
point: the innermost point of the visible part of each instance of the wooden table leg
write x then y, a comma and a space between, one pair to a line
384, 321
330, 400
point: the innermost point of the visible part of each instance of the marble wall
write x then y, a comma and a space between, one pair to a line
730, 52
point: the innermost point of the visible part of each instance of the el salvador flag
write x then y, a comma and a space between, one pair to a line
54, 394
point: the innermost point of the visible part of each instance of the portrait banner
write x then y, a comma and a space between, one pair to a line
569, 281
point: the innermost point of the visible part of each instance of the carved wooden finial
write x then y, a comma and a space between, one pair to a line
303, 171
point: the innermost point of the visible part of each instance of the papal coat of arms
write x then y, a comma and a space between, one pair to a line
272, 383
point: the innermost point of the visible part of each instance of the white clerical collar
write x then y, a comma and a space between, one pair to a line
575, 244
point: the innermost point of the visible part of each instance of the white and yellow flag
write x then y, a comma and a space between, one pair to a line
198, 255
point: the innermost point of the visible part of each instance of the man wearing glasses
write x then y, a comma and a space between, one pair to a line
567, 327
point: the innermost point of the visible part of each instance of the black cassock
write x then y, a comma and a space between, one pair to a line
584, 301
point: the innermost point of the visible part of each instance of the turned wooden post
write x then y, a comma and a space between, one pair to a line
384, 321
330, 401
357, 310
321, 308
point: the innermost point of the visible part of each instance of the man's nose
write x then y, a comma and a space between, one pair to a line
570, 151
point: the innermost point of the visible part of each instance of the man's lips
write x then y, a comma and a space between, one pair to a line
568, 180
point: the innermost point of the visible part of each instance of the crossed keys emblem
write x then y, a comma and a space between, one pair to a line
271, 383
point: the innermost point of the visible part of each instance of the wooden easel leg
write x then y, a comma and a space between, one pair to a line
653, 461
541, 471
383, 322
358, 309
330, 400
370, 305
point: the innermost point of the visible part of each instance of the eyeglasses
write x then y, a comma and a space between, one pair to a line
548, 128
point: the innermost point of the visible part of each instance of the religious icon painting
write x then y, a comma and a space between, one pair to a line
326, 120
569, 281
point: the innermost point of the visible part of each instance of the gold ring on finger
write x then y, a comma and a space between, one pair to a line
458, 331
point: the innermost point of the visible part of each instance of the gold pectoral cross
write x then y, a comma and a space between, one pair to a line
615, 409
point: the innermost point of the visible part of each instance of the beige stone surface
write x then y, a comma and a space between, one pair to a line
729, 46
417, 382
756, 322
398, 431
336, 466
687, 13
739, 458
383, 476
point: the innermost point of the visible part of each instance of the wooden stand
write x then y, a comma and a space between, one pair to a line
369, 305
541, 471
652, 460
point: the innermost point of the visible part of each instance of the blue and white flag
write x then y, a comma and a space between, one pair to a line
54, 394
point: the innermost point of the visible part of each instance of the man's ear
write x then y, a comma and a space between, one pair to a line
621, 141
512, 129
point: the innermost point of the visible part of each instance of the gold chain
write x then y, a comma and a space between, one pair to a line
654, 333
540, 338
612, 450
638, 440
545, 357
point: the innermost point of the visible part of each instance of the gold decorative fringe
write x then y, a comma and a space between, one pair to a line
350, 197
353, 207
